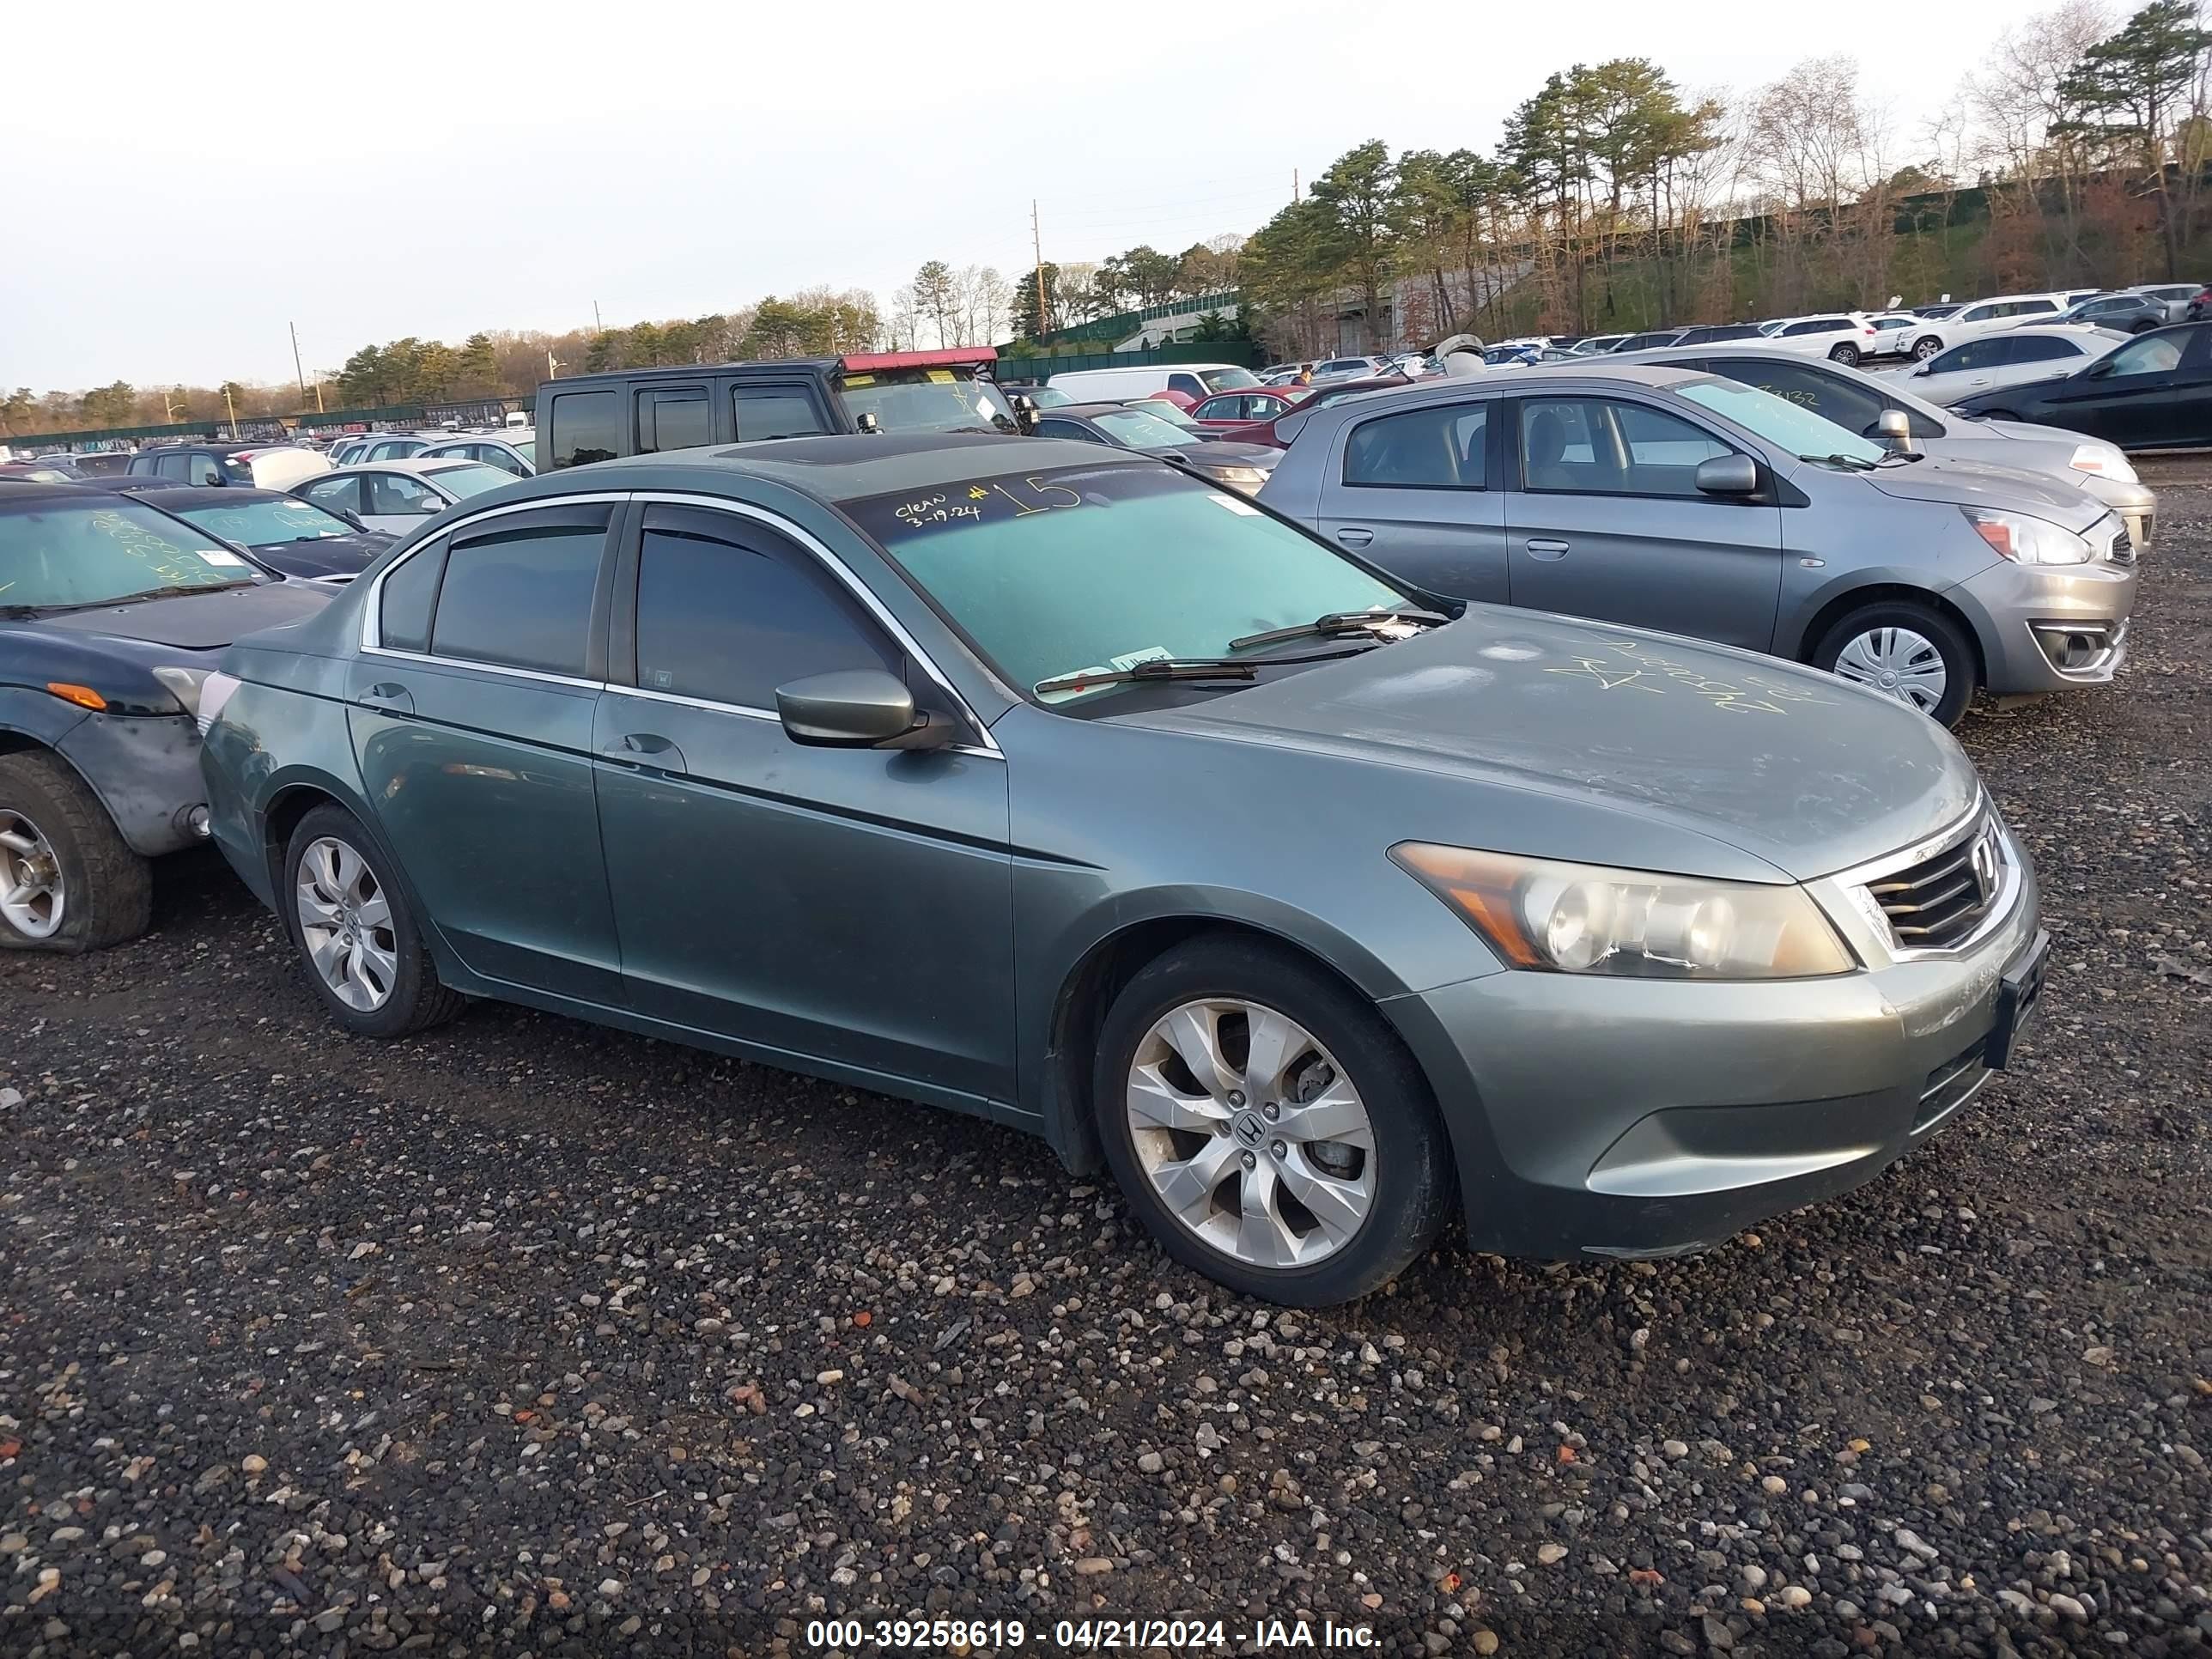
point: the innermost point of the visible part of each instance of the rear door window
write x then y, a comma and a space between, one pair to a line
337, 494
672, 417
520, 594
586, 427
410, 592
1438, 448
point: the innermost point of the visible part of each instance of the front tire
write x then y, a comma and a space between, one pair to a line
1267, 1125
1848, 356
1925, 347
357, 938
1908, 652
69, 882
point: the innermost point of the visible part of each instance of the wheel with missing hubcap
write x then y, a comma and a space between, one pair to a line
33, 897
69, 881
1267, 1126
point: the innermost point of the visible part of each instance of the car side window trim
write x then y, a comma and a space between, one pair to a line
372, 610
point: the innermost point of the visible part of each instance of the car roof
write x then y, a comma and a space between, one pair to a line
400, 463
839, 467
1103, 407
178, 498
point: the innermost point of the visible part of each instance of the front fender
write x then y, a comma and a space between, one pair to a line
1800, 608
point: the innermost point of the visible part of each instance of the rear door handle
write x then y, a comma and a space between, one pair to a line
648, 750
390, 698
1353, 536
1544, 549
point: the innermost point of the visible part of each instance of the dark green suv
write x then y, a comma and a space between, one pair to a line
639, 411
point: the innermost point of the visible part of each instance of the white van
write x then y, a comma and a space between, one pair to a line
1189, 382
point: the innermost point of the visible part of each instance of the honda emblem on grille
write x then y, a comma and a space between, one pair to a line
1985, 863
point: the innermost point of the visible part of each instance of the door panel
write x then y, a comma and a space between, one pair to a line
1584, 542
1409, 492
853, 905
480, 777
850, 905
485, 794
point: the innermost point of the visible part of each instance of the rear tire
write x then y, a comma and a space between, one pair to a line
2143, 326
1307, 1175
1893, 647
1847, 354
366, 961
69, 882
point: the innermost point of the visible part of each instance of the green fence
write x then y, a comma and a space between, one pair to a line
489, 411
1128, 322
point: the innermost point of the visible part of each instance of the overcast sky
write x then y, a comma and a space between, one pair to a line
196, 181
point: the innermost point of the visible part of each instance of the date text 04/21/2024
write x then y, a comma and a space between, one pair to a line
1095, 1635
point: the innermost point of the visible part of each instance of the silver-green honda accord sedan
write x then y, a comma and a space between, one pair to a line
1063, 787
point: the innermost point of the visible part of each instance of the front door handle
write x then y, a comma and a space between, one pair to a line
645, 748
1353, 536
1544, 549
389, 698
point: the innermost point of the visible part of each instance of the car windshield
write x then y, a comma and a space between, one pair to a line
61, 553
526, 447
264, 524
1101, 567
1134, 429
471, 478
1045, 396
926, 400
1226, 379
1782, 423
1160, 410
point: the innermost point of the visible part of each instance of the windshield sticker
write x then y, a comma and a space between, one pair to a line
217, 555
1641, 669
941, 376
1237, 504
1150, 654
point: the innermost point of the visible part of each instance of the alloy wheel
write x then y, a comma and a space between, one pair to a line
1924, 349
31, 896
345, 922
1897, 663
1252, 1135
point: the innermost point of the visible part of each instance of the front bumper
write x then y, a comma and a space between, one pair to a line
2047, 628
146, 770
2136, 505
1597, 1117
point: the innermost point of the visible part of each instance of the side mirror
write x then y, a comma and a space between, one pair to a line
856, 708
867, 422
1894, 428
352, 518
1727, 475
1025, 413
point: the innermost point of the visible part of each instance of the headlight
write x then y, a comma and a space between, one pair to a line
2028, 541
1584, 918
183, 685
1246, 479
2105, 461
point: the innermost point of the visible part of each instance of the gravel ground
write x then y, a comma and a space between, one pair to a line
528, 1337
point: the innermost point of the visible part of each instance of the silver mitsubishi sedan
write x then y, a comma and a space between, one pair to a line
1049, 782
1661, 498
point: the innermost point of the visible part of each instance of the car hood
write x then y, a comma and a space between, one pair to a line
326, 556
1988, 485
1669, 742
195, 622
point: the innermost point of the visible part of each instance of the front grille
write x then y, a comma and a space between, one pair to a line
1940, 902
1949, 1086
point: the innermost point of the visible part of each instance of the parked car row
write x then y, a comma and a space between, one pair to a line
1558, 729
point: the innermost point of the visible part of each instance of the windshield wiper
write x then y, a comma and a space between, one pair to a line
1157, 668
1198, 668
1849, 463
1337, 623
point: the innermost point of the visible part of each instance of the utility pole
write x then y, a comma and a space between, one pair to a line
232, 408
169, 408
297, 371
1294, 185
1036, 246
598, 327
552, 364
